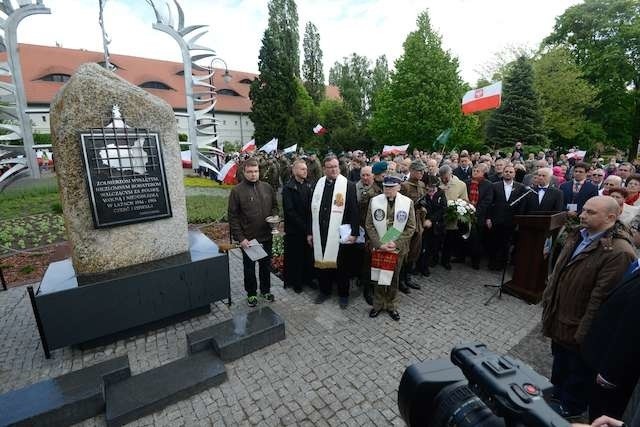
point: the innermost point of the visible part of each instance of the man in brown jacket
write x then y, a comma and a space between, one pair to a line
591, 262
250, 202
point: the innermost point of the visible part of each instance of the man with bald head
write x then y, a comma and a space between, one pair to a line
543, 197
592, 260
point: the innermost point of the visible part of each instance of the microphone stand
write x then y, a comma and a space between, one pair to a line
508, 260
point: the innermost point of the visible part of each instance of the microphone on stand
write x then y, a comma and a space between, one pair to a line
529, 190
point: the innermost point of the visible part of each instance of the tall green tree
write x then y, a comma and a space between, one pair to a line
353, 77
519, 117
565, 98
274, 92
423, 97
604, 39
379, 79
312, 72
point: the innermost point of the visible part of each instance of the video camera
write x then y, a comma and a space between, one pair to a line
476, 388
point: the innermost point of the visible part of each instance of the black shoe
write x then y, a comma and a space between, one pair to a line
344, 302
433, 262
413, 285
446, 265
404, 289
394, 315
321, 298
475, 266
374, 313
425, 272
297, 290
457, 260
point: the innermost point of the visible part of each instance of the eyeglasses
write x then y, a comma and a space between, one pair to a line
597, 174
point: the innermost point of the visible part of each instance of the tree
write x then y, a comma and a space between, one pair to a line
379, 79
274, 92
353, 78
604, 38
312, 72
423, 97
565, 98
519, 117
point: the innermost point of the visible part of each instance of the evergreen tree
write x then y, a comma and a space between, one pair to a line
519, 117
423, 97
312, 72
353, 78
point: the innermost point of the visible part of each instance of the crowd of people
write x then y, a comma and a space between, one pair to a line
379, 221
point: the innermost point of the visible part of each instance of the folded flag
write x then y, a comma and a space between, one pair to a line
291, 149
227, 174
395, 149
249, 147
484, 98
319, 130
578, 154
270, 146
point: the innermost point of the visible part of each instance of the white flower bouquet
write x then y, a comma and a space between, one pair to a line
462, 212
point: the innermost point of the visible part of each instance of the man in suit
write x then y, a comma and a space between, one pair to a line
463, 172
529, 180
500, 217
612, 347
544, 198
577, 191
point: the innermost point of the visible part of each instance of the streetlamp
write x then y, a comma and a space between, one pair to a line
227, 78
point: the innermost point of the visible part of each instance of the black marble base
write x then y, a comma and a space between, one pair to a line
64, 400
241, 335
71, 311
157, 388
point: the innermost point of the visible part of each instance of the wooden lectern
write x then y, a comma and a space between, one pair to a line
531, 266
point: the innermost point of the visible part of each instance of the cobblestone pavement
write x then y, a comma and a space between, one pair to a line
336, 367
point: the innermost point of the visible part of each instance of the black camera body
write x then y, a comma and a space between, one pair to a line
476, 388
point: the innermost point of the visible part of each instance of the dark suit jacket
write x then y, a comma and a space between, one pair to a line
296, 205
500, 212
485, 197
551, 202
612, 345
587, 191
460, 173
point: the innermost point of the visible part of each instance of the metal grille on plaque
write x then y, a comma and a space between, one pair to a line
125, 173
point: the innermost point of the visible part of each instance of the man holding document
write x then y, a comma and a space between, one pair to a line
250, 203
333, 204
390, 223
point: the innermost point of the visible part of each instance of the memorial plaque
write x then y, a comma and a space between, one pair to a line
126, 177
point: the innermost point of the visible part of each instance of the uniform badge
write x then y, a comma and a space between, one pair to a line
378, 214
339, 201
401, 216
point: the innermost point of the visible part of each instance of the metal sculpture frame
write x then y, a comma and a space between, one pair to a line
13, 95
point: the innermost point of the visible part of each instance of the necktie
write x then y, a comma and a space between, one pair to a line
576, 187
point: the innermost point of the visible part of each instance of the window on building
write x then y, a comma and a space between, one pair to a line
236, 123
245, 81
180, 73
56, 77
155, 85
224, 122
227, 92
44, 119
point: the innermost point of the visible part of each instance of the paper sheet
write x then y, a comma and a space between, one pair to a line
345, 232
255, 250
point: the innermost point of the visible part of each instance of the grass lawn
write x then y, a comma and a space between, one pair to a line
197, 181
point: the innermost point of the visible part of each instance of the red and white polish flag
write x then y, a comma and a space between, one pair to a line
394, 149
484, 98
249, 147
227, 174
319, 130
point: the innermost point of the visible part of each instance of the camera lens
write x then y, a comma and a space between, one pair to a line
457, 405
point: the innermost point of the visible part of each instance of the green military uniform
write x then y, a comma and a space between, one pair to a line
314, 169
386, 297
285, 170
415, 190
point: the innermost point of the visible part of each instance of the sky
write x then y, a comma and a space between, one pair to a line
473, 30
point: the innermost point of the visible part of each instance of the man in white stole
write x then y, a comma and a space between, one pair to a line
334, 203
390, 209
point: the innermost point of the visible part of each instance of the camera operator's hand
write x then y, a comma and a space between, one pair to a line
488, 223
604, 383
427, 223
603, 421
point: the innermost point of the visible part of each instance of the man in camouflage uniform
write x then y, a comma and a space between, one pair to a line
314, 168
414, 189
284, 167
366, 189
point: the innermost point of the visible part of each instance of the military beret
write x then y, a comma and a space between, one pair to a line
417, 165
378, 168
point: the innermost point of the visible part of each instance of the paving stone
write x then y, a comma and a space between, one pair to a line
357, 360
